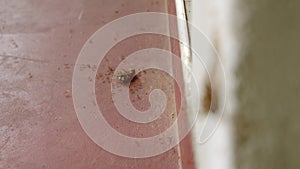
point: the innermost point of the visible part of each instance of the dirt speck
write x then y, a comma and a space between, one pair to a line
68, 94
67, 66
110, 69
57, 118
30, 75
173, 116
123, 57
99, 75
14, 44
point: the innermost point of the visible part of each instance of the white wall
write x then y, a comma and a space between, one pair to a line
215, 19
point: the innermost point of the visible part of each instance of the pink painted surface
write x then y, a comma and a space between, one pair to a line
39, 44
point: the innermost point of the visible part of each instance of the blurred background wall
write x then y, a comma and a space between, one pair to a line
259, 44
267, 124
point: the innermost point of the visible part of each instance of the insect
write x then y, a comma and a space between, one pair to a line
126, 77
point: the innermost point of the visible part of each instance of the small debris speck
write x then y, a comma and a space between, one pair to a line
68, 94
110, 69
30, 76
67, 66
126, 77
